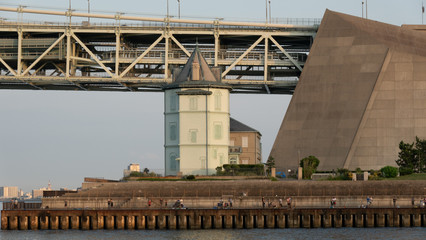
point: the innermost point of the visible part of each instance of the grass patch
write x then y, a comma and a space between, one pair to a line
414, 176
176, 180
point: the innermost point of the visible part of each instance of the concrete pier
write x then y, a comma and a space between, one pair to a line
211, 218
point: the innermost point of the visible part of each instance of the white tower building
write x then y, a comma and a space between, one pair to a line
196, 119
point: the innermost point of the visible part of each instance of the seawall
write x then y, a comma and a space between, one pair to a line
211, 218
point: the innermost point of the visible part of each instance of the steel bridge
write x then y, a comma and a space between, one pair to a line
140, 53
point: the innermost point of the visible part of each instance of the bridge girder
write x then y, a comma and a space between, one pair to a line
119, 57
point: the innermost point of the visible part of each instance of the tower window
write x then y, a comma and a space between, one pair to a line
218, 101
173, 131
245, 142
193, 135
173, 102
218, 130
193, 103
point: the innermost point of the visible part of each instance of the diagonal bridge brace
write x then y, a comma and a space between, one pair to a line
180, 45
242, 56
7, 66
92, 55
286, 53
142, 55
44, 54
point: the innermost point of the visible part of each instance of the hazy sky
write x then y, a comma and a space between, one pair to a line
65, 136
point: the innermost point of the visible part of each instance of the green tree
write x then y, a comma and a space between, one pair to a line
270, 163
412, 157
421, 155
146, 171
309, 165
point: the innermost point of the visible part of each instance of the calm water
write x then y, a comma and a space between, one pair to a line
244, 234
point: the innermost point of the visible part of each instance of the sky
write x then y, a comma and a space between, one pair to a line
62, 137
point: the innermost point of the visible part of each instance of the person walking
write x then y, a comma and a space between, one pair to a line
333, 202
289, 202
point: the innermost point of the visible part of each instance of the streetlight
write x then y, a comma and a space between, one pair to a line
362, 9
178, 9
366, 9
88, 10
270, 13
167, 8
266, 9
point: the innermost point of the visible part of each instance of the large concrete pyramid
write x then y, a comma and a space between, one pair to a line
362, 91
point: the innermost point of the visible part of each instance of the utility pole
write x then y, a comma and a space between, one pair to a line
362, 9
178, 9
423, 11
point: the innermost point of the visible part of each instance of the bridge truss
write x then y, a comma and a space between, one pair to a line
140, 55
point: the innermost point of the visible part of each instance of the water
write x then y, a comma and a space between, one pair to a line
341, 233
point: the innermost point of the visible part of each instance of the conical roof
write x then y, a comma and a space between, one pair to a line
196, 69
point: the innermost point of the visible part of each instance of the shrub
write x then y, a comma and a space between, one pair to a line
241, 170
190, 177
405, 171
374, 175
389, 172
136, 174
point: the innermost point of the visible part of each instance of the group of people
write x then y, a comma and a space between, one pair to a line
179, 204
110, 203
272, 204
221, 204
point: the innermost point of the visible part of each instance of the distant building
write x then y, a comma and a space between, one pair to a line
133, 167
38, 193
245, 144
9, 192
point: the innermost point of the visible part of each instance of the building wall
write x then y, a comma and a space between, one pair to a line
200, 139
171, 132
396, 112
251, 149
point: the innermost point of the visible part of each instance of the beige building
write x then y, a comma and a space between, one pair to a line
9, 192
133, 167
244, 146
196, 119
